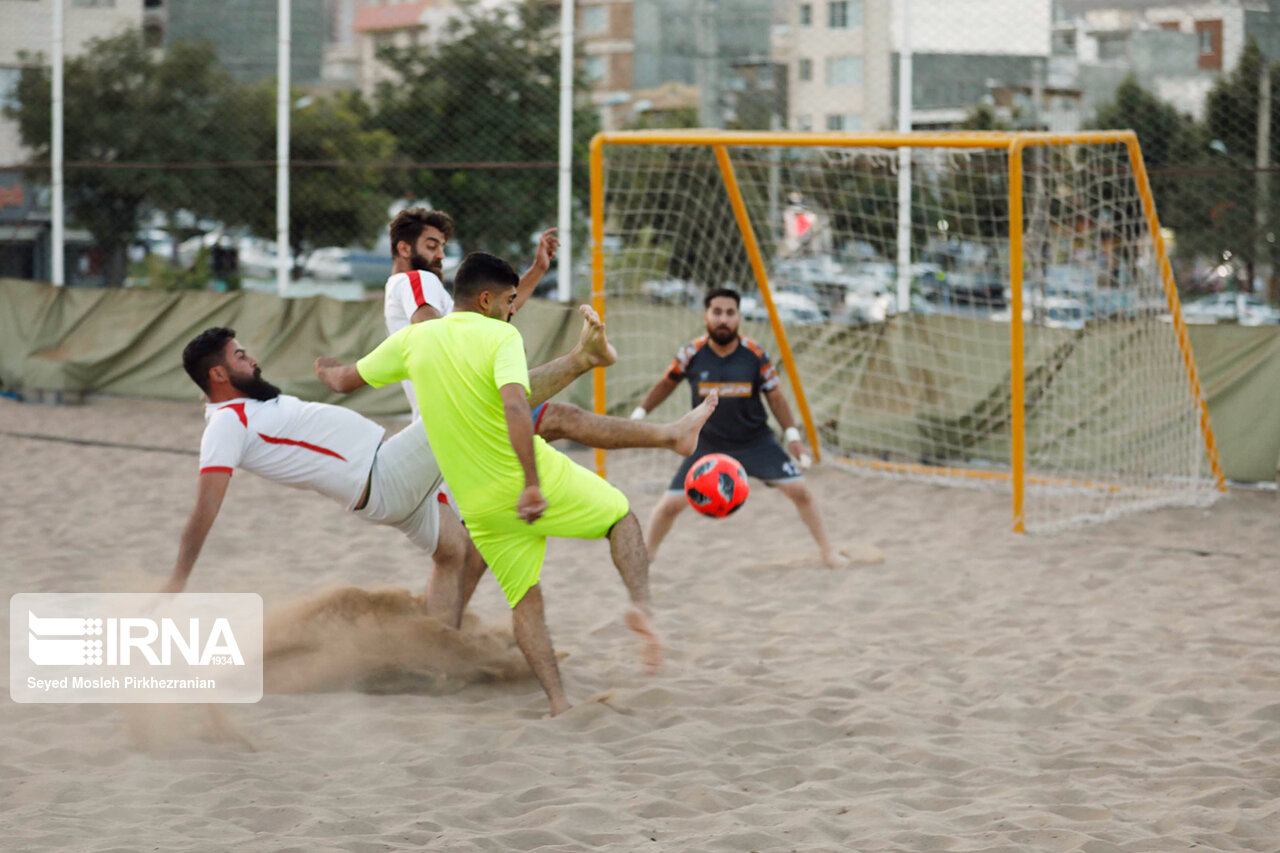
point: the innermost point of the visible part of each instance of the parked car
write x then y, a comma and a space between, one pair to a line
792, 308
1243, 308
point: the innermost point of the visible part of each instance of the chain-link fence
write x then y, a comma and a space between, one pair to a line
170, 124
170, 120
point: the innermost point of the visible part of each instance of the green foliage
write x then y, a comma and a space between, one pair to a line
983, 117
335, 187
486, 93
125, 103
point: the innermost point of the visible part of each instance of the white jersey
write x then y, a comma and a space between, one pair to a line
316, 446
406, 292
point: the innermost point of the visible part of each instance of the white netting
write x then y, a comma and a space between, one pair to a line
1111, 420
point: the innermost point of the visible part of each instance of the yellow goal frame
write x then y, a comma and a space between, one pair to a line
1015, 143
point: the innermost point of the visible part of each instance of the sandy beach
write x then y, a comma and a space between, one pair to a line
1112, 688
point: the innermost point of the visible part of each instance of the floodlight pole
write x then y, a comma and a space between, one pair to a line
58, 213
904, 163
284, 25
564, 219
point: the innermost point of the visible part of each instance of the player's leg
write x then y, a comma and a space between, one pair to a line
593, 350
564, 420
581, 505
453, 573
631, 559
515, 551
672, 503
800, 495
766, 460
661, 519
529, 624
403, 493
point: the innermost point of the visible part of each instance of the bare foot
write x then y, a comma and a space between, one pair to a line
593, 346
685, 431
652, 653
558, 708
835, 560
853, 555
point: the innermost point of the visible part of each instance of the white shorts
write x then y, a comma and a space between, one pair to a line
403, 487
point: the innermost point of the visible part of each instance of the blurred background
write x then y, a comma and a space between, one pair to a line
170, 124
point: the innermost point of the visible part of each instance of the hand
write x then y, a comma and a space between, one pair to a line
797, 450
548, 245
531, 505
593, 347
325, 361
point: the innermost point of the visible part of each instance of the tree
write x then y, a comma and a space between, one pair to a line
1231, 131
335, 183
125, 104
1174, 149
486, 93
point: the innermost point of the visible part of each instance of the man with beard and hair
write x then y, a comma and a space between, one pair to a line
415, 291
739, 370
341, 454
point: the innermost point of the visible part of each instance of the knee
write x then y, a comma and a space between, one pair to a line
556, 418
801, 495
671, 506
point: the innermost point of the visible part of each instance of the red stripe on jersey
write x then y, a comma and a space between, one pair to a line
304, 445
442, 498
215, 469
415, 282
238, 408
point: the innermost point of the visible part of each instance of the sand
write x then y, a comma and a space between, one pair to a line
1106, 689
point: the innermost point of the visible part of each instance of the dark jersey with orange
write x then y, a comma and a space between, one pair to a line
739, 376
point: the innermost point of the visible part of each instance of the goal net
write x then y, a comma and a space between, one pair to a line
1013, 324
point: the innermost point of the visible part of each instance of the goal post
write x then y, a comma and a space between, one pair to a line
1063, 224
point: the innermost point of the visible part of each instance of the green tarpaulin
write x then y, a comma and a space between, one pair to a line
129, 343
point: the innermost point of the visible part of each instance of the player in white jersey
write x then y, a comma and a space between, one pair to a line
250, 424
415, 293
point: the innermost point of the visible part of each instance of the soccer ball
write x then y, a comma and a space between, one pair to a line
716, 485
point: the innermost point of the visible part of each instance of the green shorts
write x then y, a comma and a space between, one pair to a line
580, 505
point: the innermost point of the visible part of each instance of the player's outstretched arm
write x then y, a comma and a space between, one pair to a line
782, 411
515, 405
593, 350
336, 376
211, 488
548, 245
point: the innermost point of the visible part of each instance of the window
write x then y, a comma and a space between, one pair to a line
806, 69
844, 70
594, 66
806, 15
9, 78
804, 122
1209, 35
844, 121
843, 14
595, 20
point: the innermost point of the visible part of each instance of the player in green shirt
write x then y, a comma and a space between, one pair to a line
512, 488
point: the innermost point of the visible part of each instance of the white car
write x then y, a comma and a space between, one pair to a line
792, 308
329, 264
1243, 308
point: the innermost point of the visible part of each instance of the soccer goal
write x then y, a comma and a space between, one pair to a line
993, 310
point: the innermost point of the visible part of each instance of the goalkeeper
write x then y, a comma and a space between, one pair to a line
723, 361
